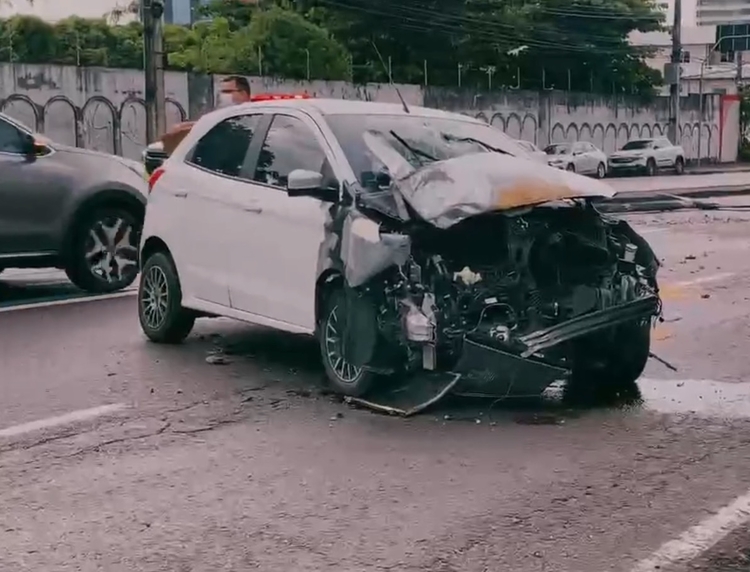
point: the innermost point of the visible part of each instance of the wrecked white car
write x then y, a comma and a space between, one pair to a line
416, 245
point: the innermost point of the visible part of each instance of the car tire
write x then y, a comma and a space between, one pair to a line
612, 380
601, 171
103, 254
160, 311
343, 378
650, 168
679, 166
571, 168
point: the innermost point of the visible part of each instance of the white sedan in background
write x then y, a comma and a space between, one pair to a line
534, 151
581, 157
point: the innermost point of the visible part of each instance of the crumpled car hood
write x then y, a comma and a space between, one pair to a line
446, 192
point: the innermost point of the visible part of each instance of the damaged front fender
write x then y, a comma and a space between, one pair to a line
365, 252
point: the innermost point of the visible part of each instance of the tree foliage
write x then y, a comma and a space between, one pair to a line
580, 45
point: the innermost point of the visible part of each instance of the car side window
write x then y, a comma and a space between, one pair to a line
223, 149
290, 145
11, 140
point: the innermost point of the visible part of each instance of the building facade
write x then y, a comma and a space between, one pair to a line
184, 12
722, 12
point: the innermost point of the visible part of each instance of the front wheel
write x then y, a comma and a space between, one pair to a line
601, 171
651, 168
104, 251
344, 377
571, 168
160, 311
608, 374
679, 166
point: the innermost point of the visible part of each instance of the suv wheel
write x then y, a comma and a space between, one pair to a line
650, 168
104, 252
679, 166
160, 311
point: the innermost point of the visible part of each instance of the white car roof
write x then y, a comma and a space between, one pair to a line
349, 107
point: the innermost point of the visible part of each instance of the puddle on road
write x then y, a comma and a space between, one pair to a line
705, 398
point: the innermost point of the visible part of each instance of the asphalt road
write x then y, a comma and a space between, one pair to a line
119, 455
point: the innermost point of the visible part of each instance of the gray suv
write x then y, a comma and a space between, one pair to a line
69, 208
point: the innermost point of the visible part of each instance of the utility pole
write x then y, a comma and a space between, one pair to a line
674, 75
739, 71
152, 13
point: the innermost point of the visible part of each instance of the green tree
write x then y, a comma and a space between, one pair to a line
27, 39
288, 42
276, 41
583, 40
208, 47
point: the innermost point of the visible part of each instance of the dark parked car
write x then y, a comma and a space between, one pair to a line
69, 208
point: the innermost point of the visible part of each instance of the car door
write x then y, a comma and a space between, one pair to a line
580, 159
32, 191
279, 282
661, 153
212, 225
668, 153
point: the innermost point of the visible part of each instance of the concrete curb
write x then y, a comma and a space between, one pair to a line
696, 193
669, 200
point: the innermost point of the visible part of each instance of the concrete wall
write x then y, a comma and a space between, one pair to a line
553, 117
103, 109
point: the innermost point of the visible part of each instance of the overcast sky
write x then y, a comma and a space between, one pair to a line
59, 9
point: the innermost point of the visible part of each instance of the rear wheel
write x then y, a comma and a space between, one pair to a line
608, 374
160, 311
104, 251
571, 168
344, 377
601, 171
651, 168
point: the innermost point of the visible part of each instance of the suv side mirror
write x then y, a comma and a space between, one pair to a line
304, 183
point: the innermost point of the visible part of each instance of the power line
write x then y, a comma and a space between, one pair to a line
449, 26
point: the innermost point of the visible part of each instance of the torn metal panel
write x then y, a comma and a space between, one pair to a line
493, 372
365, 252
446, 192
412, 396
587, 324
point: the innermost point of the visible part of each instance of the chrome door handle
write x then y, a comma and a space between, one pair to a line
253, 210
180, 195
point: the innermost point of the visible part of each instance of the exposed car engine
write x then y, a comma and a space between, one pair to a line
498, 277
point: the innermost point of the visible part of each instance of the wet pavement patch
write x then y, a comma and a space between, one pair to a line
704, 398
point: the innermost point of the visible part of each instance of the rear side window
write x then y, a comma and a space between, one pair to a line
10, 138
223, 149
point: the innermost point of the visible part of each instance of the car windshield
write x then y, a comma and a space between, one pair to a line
634, 145
371, 141
558, 149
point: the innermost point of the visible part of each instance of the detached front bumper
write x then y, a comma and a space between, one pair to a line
488, 368
629, 167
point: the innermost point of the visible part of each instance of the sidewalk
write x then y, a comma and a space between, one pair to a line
706, 169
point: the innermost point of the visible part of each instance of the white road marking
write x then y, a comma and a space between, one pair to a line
69, 301
705, 279
699, 538
73, 417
